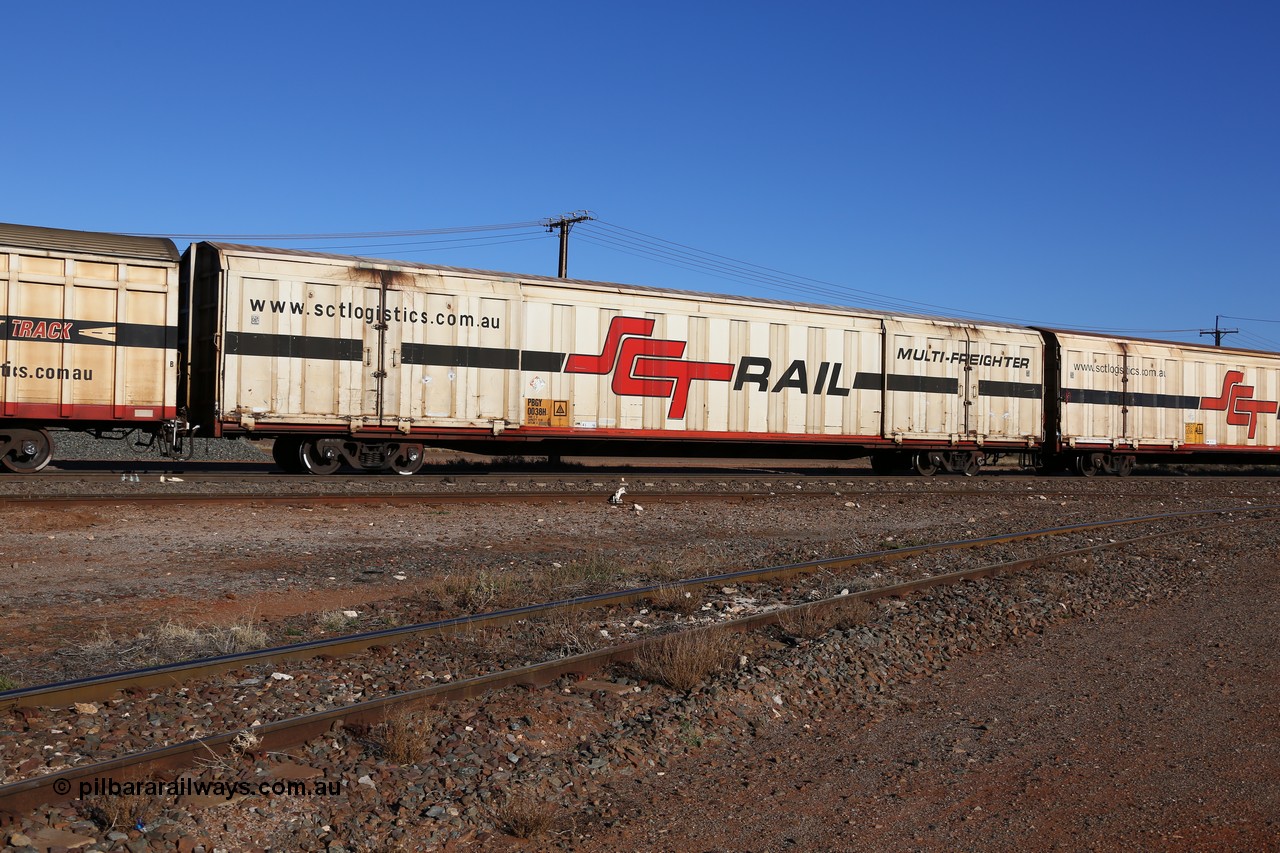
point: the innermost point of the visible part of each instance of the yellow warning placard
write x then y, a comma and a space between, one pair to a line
536, 412
559, 413
1195, 433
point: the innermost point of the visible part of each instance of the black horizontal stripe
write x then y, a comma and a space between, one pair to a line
136, 335
1164, 401
92, 332
293, 346
455, 356
867, 381
923, 384
1023, 390
1095, 397
547, 362
491, 357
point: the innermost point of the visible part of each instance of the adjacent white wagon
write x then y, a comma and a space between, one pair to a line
88, 336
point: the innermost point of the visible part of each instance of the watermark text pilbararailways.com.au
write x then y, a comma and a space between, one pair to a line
184, 787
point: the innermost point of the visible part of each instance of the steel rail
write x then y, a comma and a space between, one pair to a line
97, 688
281, 735
437, 492
430, 498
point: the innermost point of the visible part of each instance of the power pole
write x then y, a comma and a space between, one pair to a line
565, 223
1217, 331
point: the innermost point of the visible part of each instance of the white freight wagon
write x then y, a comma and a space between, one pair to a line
88, 337
342, 358
1121, 398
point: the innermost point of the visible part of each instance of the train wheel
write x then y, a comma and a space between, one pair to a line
1124, 466
408, 459
972, 464
1088, 464
284, 451
925, 464
315, 459
32, 450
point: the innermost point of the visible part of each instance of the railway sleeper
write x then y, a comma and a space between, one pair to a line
320, 455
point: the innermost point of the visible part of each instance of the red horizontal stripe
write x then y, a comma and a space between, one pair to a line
55, 414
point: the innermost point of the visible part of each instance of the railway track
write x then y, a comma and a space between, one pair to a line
246, 487
283, 733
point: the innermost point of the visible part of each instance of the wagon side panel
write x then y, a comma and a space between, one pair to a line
299, 345
86, 338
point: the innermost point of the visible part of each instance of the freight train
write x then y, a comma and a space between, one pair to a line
347, 361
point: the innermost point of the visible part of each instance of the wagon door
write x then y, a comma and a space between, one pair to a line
1002, 379
301, 350
454, 357
1093, 390
924, 395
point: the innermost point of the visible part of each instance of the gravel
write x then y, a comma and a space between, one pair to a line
761, 756
80, 446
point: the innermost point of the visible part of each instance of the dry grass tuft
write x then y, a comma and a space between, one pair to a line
809, 623
123, 811
677, 600
165, 643
526, 815
582, 575
563, 633
683, 661
333, 620
405, 737
478, 591
197, 642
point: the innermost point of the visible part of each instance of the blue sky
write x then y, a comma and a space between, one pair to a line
1087, 164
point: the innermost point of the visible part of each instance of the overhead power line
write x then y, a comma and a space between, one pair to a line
451, 243
351, 235
638, 243
1247, 319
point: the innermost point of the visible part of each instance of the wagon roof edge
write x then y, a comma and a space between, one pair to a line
302, 254
88, 242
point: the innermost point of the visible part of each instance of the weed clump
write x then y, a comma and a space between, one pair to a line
526, 815
677, 600
403, 738
809, 623
683, 661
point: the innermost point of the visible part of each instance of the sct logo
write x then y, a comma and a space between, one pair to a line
1237, 401
647, 367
